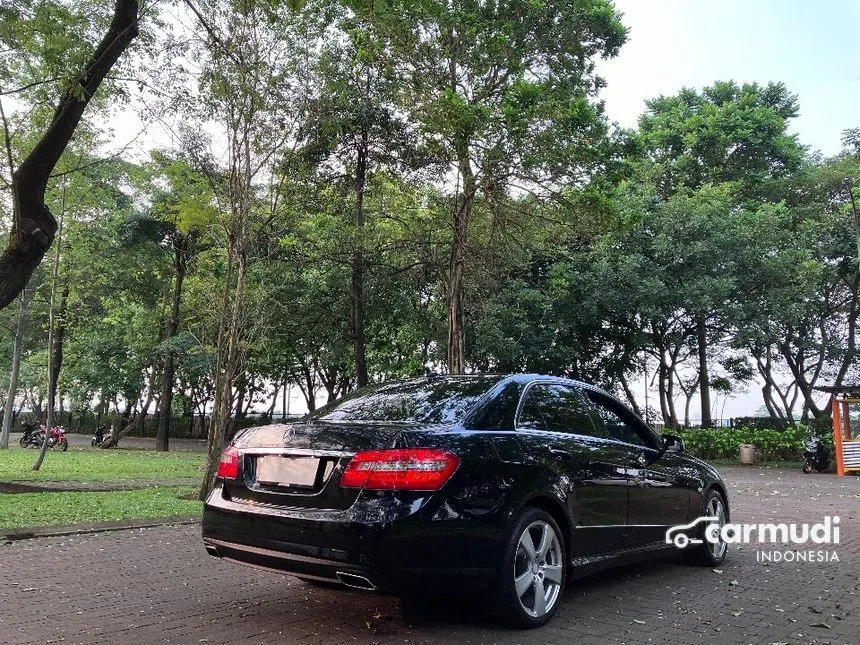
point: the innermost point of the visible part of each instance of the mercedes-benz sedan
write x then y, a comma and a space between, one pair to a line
513, 483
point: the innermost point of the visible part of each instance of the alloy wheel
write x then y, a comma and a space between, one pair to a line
717, 510
538, 569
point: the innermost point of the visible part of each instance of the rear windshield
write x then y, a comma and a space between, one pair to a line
421, 400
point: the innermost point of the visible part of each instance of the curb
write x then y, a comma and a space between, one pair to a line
29, 533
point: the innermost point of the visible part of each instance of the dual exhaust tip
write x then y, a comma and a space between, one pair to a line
351, 580
355, 581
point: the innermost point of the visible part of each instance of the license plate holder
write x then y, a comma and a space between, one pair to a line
277, 470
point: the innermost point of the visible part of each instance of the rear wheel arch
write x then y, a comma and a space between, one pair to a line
556, 510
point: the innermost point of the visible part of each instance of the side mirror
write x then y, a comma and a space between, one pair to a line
673, 443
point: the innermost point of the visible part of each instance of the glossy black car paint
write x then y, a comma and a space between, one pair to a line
613, 501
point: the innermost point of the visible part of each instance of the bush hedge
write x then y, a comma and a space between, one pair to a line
774, 445
761, 423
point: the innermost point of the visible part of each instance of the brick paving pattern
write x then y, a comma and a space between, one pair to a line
157, 585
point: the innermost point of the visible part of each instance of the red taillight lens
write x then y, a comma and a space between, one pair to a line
420, 469
228, 467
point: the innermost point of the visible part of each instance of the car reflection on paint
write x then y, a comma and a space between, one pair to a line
514, 483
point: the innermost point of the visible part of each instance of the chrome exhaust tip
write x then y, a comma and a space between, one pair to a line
355, 581
212, 550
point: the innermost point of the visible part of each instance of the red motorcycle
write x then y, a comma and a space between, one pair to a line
57, 440
35, 437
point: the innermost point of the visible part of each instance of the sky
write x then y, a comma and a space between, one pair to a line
810, 45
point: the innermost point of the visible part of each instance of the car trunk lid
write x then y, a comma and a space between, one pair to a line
298, 465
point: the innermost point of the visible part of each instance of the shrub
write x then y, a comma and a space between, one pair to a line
761, 423
774, 445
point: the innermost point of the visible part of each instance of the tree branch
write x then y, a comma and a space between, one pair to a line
33, 225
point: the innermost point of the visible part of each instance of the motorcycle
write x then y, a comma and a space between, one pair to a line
32, 435
102, 437
58, 440
816, 456
99, 436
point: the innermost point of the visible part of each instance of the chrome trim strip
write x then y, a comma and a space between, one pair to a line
619, 526
295, 452
260, 567
587, 560
281, 555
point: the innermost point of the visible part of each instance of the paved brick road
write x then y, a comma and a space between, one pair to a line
158, 586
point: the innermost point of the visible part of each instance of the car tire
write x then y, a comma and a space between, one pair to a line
534, 561
707, 554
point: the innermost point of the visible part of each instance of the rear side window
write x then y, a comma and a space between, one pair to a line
619, 423
421, 400
557, 408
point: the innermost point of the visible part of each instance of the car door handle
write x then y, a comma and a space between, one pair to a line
561, 455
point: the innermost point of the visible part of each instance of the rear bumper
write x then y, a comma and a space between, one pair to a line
404, 550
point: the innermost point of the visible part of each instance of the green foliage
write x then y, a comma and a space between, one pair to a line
763, 423
723, 443
365, 127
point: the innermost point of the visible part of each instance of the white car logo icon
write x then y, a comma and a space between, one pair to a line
676, 536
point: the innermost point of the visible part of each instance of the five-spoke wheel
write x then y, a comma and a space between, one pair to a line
533, 574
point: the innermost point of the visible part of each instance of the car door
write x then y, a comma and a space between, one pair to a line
659, 483
556, 427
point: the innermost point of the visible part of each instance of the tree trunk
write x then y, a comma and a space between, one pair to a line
162, 437
661, 387
33, 225
59, 340
456, 275
13, 377
704, 378
52, 321
357, 278
226, 376
625, 386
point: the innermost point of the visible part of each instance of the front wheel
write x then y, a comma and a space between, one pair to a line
534, 570
711, 554
64, 444
24, 441
807, 467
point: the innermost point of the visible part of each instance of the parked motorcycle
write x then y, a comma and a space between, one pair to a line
58, 440
816, 456
99, 436
102, 437
32, 435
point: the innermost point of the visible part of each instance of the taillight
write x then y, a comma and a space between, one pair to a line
228, 467
420, 469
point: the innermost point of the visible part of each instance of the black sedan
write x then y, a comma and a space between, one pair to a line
514, 483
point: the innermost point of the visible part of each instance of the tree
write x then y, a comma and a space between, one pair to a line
254, 85
503, 93
724, 134
353, 130
183, 210
33, 226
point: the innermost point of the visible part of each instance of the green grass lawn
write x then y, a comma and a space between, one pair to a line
97, 465
64, 509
